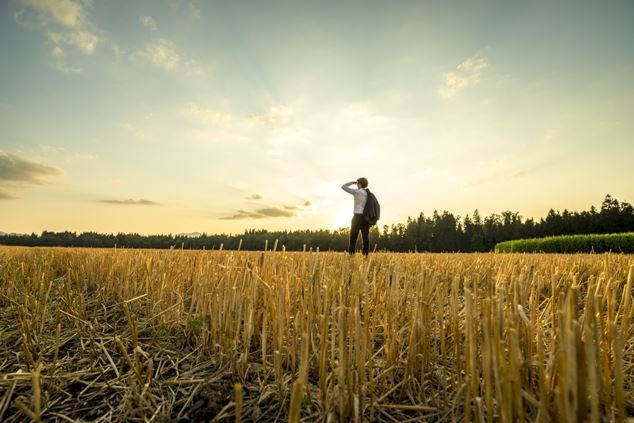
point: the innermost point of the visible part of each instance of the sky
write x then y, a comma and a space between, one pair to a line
220, 116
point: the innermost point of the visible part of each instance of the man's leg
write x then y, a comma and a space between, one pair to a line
365, 234
354, 234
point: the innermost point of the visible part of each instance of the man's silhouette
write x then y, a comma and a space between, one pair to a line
358, 223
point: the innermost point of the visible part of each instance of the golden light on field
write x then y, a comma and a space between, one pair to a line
132, 335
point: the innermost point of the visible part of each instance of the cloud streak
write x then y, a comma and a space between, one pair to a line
70, 157
131, 202
266, 212
274, 117
6, 196
263, 213
164, 55
467, 74
148, 22
203, 115
509, 174
17, 171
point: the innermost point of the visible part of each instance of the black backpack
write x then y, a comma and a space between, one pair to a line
372, 209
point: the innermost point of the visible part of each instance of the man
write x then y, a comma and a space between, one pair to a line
358, 223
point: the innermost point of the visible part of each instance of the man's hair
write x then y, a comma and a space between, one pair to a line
363, 182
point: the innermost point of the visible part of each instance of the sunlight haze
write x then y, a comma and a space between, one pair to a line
221, 116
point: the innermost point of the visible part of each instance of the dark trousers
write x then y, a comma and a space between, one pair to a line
359, 224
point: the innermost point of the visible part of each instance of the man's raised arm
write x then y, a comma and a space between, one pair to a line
346, 187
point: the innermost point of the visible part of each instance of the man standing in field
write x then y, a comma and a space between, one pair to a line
358, 222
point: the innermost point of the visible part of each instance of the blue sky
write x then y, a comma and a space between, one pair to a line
182, 116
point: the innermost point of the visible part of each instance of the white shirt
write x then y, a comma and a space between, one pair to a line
360, 196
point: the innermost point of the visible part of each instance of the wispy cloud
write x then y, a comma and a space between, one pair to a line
57, 51
148, 22
164, 55
52, 149
65, 26
204, 115
68, 69
466, 74
17, 172
6, 196
67, 13
254, 197
189, 8
80, 157
534, 169
131, 202
85, 41
260, 214
275, 117
70, 157
506, 173
304, 204
161, 54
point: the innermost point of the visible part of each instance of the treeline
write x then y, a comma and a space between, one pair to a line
436, 233
446, 232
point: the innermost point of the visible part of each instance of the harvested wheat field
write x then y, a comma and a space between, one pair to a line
166, 336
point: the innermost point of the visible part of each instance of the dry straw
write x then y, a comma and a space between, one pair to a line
139, 335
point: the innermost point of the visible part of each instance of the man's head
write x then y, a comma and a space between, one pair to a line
362, 183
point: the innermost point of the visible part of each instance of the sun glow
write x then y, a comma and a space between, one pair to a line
341, 218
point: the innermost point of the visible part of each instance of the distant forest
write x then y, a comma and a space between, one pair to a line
440, 232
